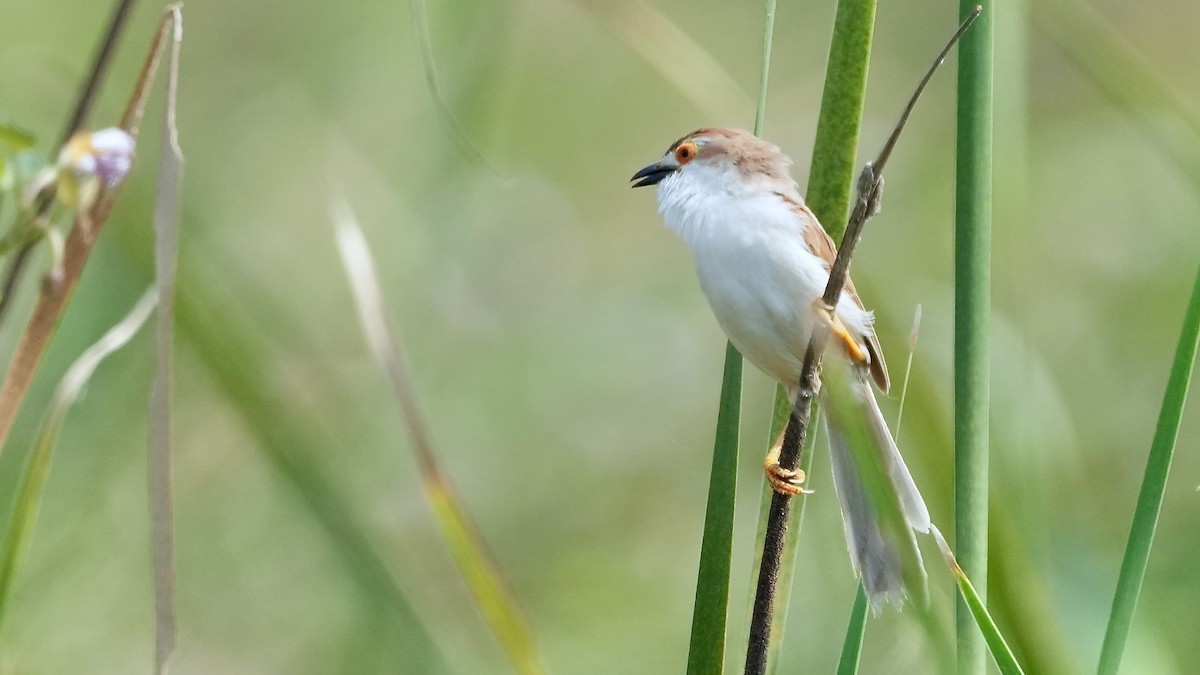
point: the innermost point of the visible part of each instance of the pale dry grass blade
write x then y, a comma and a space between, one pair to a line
480, 572
37, 467
166, 228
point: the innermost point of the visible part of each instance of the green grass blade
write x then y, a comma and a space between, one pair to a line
37, 467
481, 574
760, 113
1154, 483
855, 630
833, 170
706, 649
166, 238
710, 613
986, 627
972, 251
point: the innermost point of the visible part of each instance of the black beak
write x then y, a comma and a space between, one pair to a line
651, 175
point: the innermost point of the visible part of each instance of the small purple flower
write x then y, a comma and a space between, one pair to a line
90, 161
113, 152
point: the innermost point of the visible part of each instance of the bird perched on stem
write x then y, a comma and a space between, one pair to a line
763, 261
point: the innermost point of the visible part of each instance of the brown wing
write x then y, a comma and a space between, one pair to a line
822, 245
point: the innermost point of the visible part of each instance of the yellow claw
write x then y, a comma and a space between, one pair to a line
784, 481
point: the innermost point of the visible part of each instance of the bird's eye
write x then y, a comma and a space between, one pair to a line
686, 152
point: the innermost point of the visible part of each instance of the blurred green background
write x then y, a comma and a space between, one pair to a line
565, 358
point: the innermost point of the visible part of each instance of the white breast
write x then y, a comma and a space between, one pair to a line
753, 265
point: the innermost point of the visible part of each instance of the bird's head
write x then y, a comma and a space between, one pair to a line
720, 159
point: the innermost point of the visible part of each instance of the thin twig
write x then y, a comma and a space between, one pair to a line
12, 278
869, 192
83, 107
91, 84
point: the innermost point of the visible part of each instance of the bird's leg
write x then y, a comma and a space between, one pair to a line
784, 481
840, 333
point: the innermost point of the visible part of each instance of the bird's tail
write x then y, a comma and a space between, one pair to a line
879, 535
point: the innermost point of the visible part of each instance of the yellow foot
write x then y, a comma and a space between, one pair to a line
840, 333
784, 481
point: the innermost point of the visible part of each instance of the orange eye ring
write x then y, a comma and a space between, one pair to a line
686, 152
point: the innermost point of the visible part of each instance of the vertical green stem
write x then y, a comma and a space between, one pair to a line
706, 651
972, 253
855, 631
760, 114
832, 172
1154, 483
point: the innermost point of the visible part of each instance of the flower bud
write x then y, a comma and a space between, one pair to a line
91, 160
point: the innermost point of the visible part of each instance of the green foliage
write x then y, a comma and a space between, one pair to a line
1154, 484
706, 652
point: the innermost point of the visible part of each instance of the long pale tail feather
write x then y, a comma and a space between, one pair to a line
910, 496
875, 559
874, 553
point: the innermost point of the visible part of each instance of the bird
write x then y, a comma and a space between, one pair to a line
763, 261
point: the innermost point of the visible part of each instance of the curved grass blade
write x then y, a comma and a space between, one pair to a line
446, 115
37, 467
492, 594
1005, 660
166, 226
1154, 483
